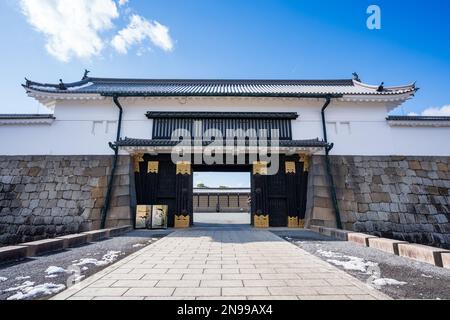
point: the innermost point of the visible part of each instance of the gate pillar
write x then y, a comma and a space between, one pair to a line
184, 195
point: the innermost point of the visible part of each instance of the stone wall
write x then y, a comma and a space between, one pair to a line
406, 198
47, 196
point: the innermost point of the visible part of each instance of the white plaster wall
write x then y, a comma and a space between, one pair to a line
86, 127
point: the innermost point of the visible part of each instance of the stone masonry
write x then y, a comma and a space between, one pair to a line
47, 196
405, 198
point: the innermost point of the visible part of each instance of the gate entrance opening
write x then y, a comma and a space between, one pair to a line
221, 198
276, 200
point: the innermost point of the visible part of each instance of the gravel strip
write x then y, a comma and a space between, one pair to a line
44, 276
398, 277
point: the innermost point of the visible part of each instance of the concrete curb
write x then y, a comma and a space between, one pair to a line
422, 253
445, 259
431, 255
97, 235
36, 248
40, 247
13, 253
74, 240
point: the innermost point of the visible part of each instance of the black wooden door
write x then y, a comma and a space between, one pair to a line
280, 195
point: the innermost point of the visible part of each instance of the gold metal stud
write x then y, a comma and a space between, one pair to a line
290, 167
261, 221
137, 159
182, 222
260, 168
152, 167
183, 167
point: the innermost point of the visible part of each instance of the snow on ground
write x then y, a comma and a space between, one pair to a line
137, 245
388, 282
359, 264
32, 291
52, 270
20, 287
108, 258
354, 263
22, 278
3, 279
348, 262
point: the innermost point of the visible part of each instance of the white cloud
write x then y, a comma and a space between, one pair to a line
138, 30
123, 2
72, 27
443, 111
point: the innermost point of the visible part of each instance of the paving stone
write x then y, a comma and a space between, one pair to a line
197, 292
220, 268
220, 283
178, 283
134, 283
149, 292
247, 291
99, 292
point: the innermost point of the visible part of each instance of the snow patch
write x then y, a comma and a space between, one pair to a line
31, 291
388, 282
3, 279
52, 276
426, 276
22, 278
24, 285
137, 245
108, 258
54, 270
329, 254
354, 263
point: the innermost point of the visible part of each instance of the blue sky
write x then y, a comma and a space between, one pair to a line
226, 39
231, 39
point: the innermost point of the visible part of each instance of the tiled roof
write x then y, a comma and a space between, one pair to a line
25, 116
131, 142
417, 118
204, 87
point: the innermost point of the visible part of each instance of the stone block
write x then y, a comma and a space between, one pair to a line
41, 247
74, 240
340, 234
422, 253
114, 232
97, 235
12, 253
387, 245
445, 256
360, 238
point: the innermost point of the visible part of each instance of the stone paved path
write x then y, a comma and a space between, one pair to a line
234, 263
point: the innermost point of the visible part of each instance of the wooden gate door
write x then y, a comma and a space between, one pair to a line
280, 200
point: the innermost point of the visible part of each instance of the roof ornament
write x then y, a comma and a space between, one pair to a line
381, 87
356, 77
62, 86
85, 76
28, 83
